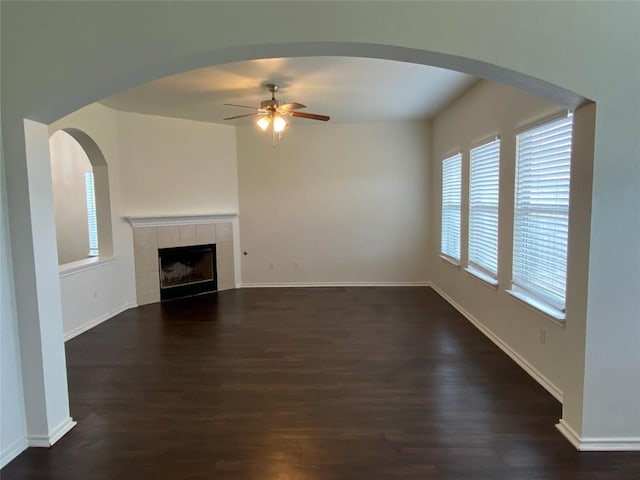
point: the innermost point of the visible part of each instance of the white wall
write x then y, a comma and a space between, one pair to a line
69, 164
13, 428
490, 109
173, 166
95, 294
344, 202
573, 45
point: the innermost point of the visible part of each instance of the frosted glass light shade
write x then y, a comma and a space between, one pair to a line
264, 122
279, 124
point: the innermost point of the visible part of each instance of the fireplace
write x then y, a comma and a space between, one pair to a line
186, 271
152, 234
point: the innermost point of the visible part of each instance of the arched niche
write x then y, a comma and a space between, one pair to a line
84, 147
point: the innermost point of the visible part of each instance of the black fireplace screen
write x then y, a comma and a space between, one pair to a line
187, 271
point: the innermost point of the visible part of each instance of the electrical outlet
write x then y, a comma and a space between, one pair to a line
542, 336
297, 265
271, 266
95, 294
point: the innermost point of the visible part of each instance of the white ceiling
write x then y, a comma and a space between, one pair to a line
347, 89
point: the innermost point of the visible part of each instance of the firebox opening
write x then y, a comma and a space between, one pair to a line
186, 271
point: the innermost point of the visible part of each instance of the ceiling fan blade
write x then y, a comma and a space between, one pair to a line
312, 116
241, 106
287, 107
240, 116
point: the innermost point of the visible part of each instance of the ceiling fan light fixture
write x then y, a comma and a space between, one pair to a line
273, 115
264, 122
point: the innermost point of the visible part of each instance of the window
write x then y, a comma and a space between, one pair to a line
541, 220
451, 191
483, 209
92, 221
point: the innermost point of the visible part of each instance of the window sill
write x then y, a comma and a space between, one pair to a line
82, 265
550, 312
451, 261
485, 279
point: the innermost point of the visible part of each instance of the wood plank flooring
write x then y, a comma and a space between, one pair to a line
306, 384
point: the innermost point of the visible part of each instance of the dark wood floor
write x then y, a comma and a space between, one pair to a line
302, 384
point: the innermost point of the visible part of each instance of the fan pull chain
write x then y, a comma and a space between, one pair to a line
274, 139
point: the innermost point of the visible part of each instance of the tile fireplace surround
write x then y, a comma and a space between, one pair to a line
152, 233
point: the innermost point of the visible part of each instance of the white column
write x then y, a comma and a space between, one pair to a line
601, 409
611, 405
38, 291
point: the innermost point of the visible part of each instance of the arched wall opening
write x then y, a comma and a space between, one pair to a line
54, 109
538, 87
81, 197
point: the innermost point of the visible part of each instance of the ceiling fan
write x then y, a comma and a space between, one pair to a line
271, 112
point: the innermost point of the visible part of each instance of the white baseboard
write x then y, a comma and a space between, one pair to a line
332, 284
515, 356
597, 444
12, 451
97, 321
53, 436
569, 433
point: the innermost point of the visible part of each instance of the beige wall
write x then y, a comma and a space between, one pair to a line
95, 294
69, 163
346, 203
486, 110
177, 166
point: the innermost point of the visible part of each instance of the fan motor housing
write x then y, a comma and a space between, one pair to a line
269, 104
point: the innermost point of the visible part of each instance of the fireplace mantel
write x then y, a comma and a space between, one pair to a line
161, 221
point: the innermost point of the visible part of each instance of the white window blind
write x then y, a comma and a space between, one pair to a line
541, 220
92, 221
451, 191
483, 207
